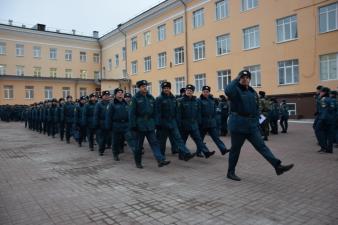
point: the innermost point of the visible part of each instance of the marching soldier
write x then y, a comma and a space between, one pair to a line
166, 122
142, 122
224, 106
68, 110
209, 123
61, 118
79, 121
274, 116
88, 117
189, 118
264, 108
243, 124
284, 116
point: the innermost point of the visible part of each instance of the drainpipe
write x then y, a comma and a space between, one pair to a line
186, 42
100, 58
125, 46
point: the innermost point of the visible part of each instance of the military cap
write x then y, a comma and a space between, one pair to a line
325, 89
182, 90
105, 93
206, 88
41, 103
333, 92
83, 98
100, 96
69, 96
244, 73
117, 90
262, 93
92, 95
190, 86
54, 100
319, 87
166, 84
127, 95
61, 99
141, 82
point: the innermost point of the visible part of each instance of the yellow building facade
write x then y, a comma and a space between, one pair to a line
290, 47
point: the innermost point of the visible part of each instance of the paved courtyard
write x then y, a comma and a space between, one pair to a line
45, 181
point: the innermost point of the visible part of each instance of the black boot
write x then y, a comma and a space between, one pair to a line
208, 154
233, 176
281, 169
138, 162
225, 151
163, 163
116, 157
189, 156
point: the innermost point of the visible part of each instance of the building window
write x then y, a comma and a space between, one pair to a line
48, 92
328, 18
124, 56
2, 48
37, 71
179, 55
199, 50
116, 59
134, 67
83, 56
97, 75
222, 9
223, 79
292, 109
52, 72
68, 73
110, 64
146, 37
134, 89
147, 64
329, 67
162, 60
83, 74
178, 26
2, 69
8, 92
20, 70
149, 88
134, 44
161, 32
96, 58
200, 81
68, 55
288, 72
255, 75
251, 37
20, 50
179, 83
65, 92
287, 29
52, 53
198, 18
37, 52
249, 4
223, 44
29, 92
83, 91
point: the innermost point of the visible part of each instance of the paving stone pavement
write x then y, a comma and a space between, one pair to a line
45, 181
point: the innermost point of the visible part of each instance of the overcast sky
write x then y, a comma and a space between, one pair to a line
84, 16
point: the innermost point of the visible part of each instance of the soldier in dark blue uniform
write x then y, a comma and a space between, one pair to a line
44, 116
68, 110
333, 96
166, 122
224, 107
189, 119
142, 122
61, 118
88, 117
243, 124
118, 122
127, 97
100, 121
325, 126
79, 121
274, 116
317, 104
53, 113
284, 116
209, 123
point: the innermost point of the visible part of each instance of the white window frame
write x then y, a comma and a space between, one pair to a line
83, 91
223, 44
37, 52
221, 9
134, 68
256, 77
37, 71
68, 55
20, 50
146, 38
199, 51
20, 70
3, 69
68, 73
179, 83
223, 79
162, 60
53, 72
328, 63
292, 112
248, 5
97, 75
48, 92
287, 26
124, 56
83, 57
253, 35
179, 55
3, 48
53, 53
326, 11
133, 44
198, 18
134, 89
83, 74
96, 58
200, 81
117, 60
8, 91
147, 64
294, 67
29, 92
65, 92
161, 32
178, 26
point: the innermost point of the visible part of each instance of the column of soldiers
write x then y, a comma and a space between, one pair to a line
11, 113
